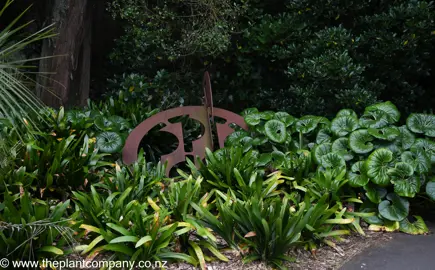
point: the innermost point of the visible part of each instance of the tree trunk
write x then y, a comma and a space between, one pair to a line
65, 77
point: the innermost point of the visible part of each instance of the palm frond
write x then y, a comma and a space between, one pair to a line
18, 103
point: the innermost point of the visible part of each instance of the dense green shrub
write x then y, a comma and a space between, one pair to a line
302, 57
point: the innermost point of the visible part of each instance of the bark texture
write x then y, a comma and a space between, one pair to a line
67, 75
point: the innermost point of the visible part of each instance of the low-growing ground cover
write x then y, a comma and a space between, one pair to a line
287, 184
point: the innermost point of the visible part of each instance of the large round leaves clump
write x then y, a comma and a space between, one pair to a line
422, 123
75, 116
234, 138
375, 193
109, 142
333, 161
387, 108
112, 123
323, 136
415, 227
308, 123
406, 138
405, 183
341, 147
347, 112
394, 208
426, 146
387, 133
249, 111
380, 115
320, 150
343, 125
253, 119
418, 159
430, 190
276, 131
360, 141
358, 175
378, 164
284, 117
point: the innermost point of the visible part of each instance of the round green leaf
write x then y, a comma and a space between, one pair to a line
120, 122
417, 159
104, 124
369, 207
246, 143
75, 116
358, 175
347, 112
109, 142
323, 136
386, 107
341, 147
417, 226
374, 119
234, 138
402, 170
408, 187
430, 190
343, 125
333, 160
378, 164
395, 208
267, 115
308, 123
375, 193
405, 183
406, 138
260, 140
387, 133
390, 145
286, 118
275, 130
426, 146
253, 119
422, 124
249, 111
320, 150
360, 141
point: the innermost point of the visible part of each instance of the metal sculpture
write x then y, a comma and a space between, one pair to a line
204, 114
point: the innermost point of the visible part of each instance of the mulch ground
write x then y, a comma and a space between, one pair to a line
326, 258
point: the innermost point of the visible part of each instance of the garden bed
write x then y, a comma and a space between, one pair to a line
325, 258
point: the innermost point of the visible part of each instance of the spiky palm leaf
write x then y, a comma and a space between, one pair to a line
17, 101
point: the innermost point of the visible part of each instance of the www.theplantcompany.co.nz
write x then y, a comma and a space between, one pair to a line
80, 264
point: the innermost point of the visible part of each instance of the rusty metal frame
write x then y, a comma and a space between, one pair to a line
204, 114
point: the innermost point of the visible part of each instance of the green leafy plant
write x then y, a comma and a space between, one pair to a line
62, 162
269, 227
146, 179
138, 236
369, 155
31, 229
322, 223
178, 199
219, 167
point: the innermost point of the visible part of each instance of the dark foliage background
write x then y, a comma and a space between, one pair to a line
304, 57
